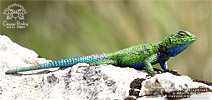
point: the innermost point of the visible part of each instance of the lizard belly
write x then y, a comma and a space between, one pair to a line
139, 65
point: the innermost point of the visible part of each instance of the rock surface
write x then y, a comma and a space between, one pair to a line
84, 82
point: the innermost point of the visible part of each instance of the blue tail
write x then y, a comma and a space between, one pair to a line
62, 63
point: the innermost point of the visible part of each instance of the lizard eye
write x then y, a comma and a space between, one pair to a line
181, 33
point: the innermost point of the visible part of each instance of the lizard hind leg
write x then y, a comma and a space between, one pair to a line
107, 62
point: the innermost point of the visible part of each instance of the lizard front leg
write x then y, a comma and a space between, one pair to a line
164, 66
148, 63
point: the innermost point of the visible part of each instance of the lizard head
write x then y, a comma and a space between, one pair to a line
176, 43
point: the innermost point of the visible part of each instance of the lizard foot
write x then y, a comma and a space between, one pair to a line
150, 75
173, 72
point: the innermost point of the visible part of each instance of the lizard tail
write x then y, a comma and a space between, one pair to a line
61, 63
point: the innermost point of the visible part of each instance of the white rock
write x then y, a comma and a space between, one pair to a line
80, 82
13, 55
96, 82
167, 82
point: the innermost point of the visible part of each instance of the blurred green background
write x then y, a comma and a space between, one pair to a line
62, 29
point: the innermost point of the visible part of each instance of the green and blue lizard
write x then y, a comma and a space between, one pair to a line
139, 56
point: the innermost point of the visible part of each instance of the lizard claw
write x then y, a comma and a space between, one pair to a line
172, 71
150, 75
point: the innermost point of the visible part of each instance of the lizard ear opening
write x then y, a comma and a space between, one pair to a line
162, 49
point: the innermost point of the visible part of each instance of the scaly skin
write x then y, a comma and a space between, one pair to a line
135, 57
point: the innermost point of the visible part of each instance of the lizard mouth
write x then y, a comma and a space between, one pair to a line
192, 39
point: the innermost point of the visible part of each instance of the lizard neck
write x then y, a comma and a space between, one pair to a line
171, 51
178, 49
